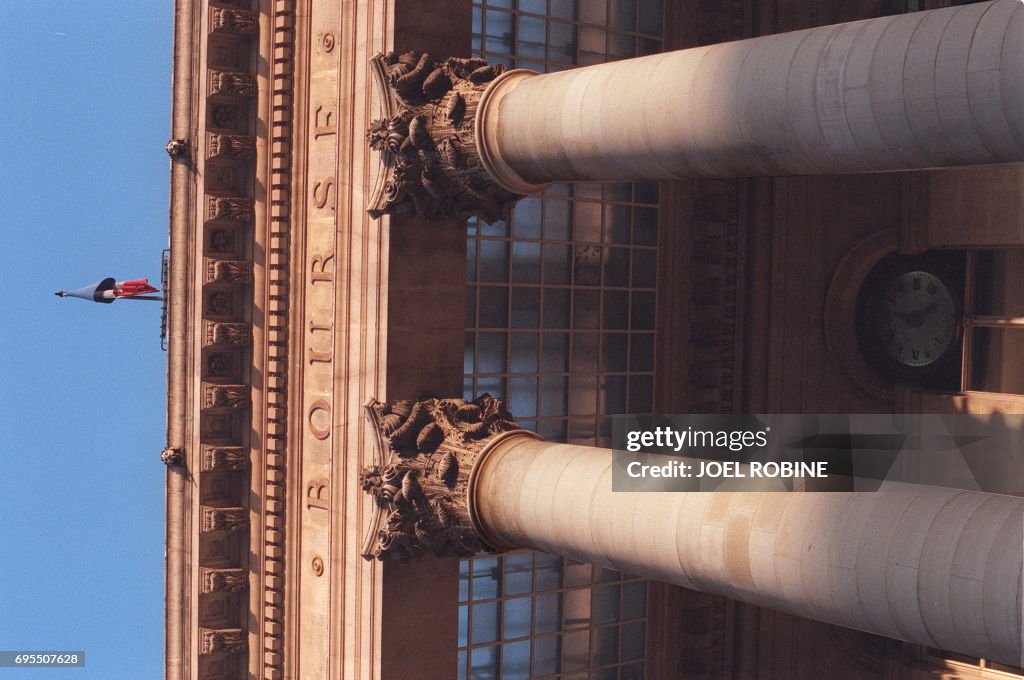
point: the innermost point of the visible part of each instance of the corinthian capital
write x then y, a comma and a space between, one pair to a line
420, 484
427, 139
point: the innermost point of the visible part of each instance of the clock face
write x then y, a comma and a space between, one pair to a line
908, 324
918, 319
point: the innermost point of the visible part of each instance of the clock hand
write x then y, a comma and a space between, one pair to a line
913, 318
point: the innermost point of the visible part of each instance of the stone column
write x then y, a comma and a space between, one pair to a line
920, 90
934, 566
939, 567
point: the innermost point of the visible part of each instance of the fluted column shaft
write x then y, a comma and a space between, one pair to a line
935, 566
926, 89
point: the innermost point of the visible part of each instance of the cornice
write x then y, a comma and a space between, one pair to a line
276, 356
183, 116
211, 341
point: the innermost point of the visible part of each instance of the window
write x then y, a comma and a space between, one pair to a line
560, 309
530, 615
959, 663
994, 322
560, 322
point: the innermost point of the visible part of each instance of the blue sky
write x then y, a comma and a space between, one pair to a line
85, 92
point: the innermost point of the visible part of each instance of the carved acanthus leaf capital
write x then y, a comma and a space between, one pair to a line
427, 450
427, 139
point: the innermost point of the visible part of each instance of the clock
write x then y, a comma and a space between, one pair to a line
909, 321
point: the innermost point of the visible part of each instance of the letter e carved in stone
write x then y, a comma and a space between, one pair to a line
318, 494
323, 121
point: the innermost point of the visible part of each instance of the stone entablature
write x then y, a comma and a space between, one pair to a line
228, 454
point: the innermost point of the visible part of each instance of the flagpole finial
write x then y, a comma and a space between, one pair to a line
61, 293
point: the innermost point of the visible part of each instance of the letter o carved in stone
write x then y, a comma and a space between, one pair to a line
320, 419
